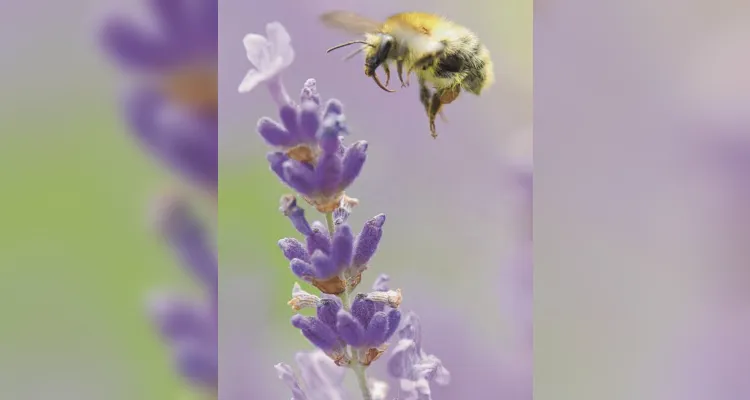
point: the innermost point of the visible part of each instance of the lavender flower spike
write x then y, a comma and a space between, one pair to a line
311, 158
189, 327
349, 329
188, 238
367, 326
415, 369
172, 107
329, 263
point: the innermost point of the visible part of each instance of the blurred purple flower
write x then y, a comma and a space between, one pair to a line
312, 159
172, 107
414, 368
190, 328
519, 276
320, 377
330, 263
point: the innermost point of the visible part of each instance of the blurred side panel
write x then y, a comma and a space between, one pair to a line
627, 212
81, 252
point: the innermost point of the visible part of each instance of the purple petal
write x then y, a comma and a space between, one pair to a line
412, 329
329, 136
350, 329
299, 177
321, 375
309, 121
198, 363
288, 115
179, 319
333, 108
286, 374
363, 309
130, 46
274, 134
327, 311
324, 266
190, 241
367, 241
328, 174
394, 319
173, 19
295, 214
354, 160
187, 143
404, 357
343, 247
377, 330
276, 160
318, 239
318, 333
293, 248
382, 283
206, 27
302, 269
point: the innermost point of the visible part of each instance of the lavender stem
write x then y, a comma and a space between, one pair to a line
359, 369
278, 92
359, 372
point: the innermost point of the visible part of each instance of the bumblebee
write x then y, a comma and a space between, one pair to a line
442, 54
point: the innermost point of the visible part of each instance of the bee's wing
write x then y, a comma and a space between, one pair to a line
417, 40
350, 22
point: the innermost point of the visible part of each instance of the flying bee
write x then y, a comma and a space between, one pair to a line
441, 53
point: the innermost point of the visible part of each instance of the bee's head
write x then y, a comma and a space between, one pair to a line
377, 51
376, 48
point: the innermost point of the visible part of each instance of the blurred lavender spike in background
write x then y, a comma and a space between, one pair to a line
189, 328
172, 105
189, 239
312, 159
518, 274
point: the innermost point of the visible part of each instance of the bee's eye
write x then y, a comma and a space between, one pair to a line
451, 63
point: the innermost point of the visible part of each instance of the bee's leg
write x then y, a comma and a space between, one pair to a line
435, 107
400, 71
387, 74
424, 95
447, 96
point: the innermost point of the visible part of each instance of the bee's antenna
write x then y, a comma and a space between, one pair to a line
349, 44
354, 53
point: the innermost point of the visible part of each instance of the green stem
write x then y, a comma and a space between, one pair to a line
359, 369
359, 372
330, 223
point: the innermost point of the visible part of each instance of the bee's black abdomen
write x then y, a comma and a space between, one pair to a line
451, 64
